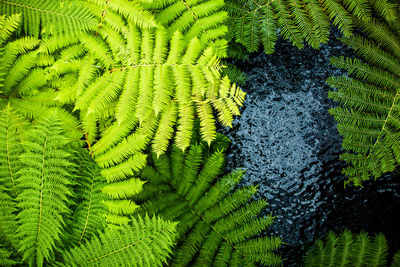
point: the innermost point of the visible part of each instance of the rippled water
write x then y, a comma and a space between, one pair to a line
289, 145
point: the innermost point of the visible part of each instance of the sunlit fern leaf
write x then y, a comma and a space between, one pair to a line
131, 10
8, 25
50, 17
88, 217
348, 249
203, 19
217, 223
45, 190
147, 242
369, 109
193, 69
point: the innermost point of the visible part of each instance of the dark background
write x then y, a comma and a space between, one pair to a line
289, 145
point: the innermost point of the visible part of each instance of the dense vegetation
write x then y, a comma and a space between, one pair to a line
109, 153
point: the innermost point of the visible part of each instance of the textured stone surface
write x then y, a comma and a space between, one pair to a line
289, 145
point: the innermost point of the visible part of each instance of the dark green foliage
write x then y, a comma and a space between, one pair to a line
88, 217
256, 22
349, 249
5, 257
369, 109
218, 225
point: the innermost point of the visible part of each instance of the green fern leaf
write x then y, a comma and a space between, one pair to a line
369, 113
54, 17
88, 217
147, 242
217, 224
348, 250
42, 204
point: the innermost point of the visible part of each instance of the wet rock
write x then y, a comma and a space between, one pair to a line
289, 145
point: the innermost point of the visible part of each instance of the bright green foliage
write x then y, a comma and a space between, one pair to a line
146, 243
22, 76
204, 19
44, 185
49, 17
11, 127
58, 202
255, 22
349, 250
130, 83
369, 97
218, 226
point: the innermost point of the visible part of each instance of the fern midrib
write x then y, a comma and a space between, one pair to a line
9, 159
103, 15
214, 66
42, 10
199, 215
126, 247
385, 122
353, 99
361, 88
42, 185
88, 211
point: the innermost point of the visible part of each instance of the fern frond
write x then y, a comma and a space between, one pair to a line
11, 130
52, 16
5, 257
88, 217
287, 24
8, 226
203, 19
396, 259
45, 189
216, 223
146, 242
348, 250
8, 26
369, 100
385, 8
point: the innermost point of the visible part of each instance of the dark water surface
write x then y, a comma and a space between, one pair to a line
289, 145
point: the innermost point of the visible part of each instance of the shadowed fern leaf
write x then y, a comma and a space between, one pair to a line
88, 217
146, 243
217, 225
349, 250
369, 111
5, 257
255, 22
